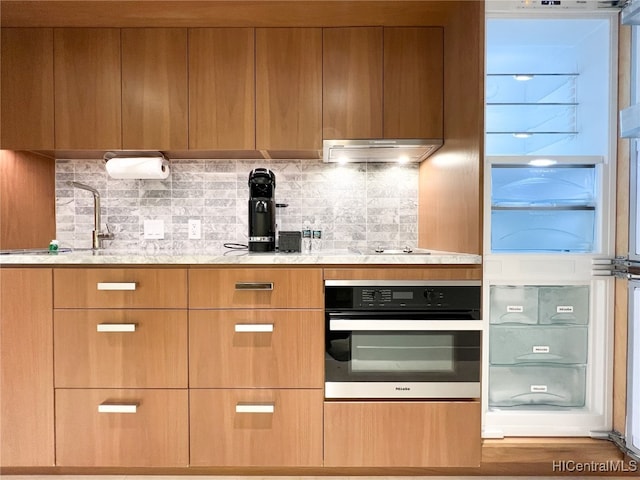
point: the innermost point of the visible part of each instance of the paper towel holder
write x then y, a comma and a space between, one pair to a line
133, 154
137, 155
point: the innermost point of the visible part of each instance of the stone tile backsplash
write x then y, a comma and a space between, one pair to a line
357, 206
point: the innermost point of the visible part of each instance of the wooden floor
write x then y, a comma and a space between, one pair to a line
530, 458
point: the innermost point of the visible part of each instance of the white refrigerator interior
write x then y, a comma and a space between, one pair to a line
550, 121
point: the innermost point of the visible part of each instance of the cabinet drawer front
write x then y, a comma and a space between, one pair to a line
154, 432
402, 434
256, 427
258, 348
120, 288
120, 348
256, 288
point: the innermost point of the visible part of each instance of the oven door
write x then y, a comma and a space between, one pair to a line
404, 355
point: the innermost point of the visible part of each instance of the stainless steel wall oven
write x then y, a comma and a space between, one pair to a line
402, 339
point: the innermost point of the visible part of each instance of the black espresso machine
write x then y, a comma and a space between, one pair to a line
262, 210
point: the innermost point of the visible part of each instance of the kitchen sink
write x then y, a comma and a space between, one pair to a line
33, 251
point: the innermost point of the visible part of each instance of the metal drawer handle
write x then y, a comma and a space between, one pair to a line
116, 286
341, 324
255, 407
116, 327
254, 327
117, 408
254, 285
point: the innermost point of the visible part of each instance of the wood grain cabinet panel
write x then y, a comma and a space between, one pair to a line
256, 288
383, 82
154, 435
258, 348
120, 288
256, 427
413, 82
402, 434
26, 368
222, 89
26, 83
87, 70
352, 82
154, 88
288, 88
120, 348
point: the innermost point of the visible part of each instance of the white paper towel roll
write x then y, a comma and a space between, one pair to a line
145, 168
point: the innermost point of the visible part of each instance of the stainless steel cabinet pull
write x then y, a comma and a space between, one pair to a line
116, 286
404, 325
254, 285
117, 408
255, 407
116, 327
254, 327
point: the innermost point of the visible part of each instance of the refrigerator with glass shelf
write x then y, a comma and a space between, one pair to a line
550, 151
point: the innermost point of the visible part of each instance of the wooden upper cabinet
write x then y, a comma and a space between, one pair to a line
87, 88
352, 82
222, 89
154, 88
413, 82
288, 88
26, 88
383, 82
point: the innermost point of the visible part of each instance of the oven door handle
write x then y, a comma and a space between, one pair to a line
393, 325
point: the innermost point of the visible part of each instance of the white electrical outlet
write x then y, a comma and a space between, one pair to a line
154, 229
195, 229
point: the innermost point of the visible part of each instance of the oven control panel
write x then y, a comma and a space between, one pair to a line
397, 297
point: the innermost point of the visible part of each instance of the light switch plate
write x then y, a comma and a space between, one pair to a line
154, 229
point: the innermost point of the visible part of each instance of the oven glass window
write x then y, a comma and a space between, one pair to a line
399, 352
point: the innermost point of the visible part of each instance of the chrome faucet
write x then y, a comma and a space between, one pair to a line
98, 235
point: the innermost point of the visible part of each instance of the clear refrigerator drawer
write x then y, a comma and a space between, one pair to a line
525, 385
542, 230
526, 186
523, 344
509, 304
564, 305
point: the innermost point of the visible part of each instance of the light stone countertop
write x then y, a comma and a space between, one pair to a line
240, 257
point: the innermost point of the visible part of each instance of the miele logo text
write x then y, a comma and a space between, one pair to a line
403, 389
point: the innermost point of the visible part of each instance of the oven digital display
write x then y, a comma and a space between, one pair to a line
402, 295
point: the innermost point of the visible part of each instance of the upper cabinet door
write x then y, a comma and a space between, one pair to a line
413, 82
87, 88
288, 88
222, 89
27, 88
352, 82
154, 88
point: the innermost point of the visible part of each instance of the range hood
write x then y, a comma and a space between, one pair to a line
384, 150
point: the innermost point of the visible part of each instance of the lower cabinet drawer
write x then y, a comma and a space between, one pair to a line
256, 427
258, 348
402, 434
122, 428
120, 348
